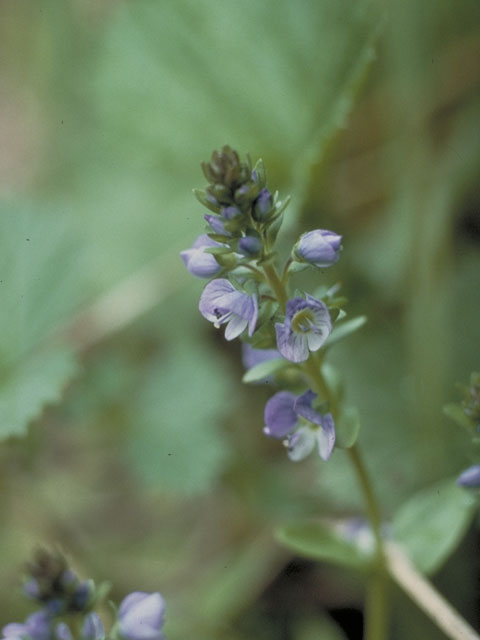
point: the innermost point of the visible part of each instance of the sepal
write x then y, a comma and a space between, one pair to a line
296, 267
348, 428
345, 329
260, 176
274, 228
207, 200
263, 370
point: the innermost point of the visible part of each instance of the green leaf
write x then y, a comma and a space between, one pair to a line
320, 541
345, 329
27, 388
348, 428
41, 280
432, 523
264, 369
155, 52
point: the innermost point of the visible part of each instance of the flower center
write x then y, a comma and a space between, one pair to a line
302, 321
222, 316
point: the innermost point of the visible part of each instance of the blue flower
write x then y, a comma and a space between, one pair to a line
470, 478
293, 417
320, 248
37, 626
141, 616
307, 325
199, 263
221, 303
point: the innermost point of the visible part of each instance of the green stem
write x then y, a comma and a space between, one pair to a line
275, 284
376, 606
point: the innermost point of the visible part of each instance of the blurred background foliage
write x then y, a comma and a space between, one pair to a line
127, 437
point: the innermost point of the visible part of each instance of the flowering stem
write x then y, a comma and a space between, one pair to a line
376, 609
275, 284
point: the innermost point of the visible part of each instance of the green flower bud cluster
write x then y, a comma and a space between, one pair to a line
245, 216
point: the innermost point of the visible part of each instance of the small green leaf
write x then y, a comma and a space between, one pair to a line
348, 428
264, 370
319, 541
431, 524
345, 329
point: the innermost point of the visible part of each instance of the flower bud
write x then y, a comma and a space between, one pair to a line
470, 478
242, 197
92, 628
263, 206
32, 589
199, 263
62, 632
82, 596
225, 168
320, 248
234, 220
221, 193
230, 213
141, 616
250, 246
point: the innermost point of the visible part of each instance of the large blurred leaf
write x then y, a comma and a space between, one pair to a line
32, 384
172, 81
432, 523
196, 74
39, 284
176, 442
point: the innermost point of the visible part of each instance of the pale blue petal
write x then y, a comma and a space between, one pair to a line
292, 346
301, 444
326, 437
235, 327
